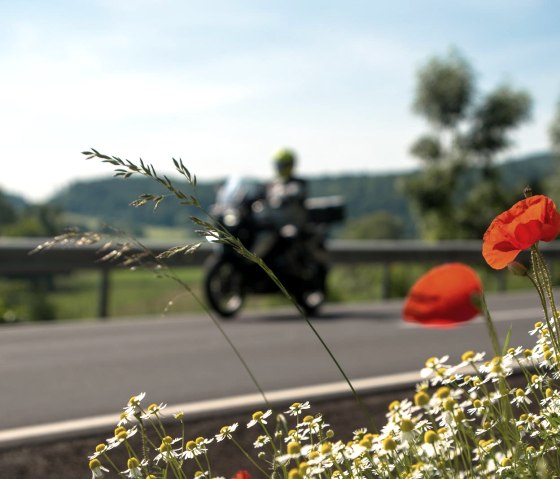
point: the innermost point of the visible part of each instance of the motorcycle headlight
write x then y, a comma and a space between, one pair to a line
231, 219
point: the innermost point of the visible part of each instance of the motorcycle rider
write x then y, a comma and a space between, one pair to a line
284, 213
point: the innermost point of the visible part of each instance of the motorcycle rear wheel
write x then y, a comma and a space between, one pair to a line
224, 288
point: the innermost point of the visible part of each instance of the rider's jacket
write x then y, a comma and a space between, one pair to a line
285, 198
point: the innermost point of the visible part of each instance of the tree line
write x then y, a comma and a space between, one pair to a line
458, 189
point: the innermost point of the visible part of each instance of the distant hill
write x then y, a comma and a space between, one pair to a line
18, 202
108, 199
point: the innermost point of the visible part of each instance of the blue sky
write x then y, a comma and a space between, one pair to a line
223, 84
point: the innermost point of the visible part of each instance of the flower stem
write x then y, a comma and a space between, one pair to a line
490, 326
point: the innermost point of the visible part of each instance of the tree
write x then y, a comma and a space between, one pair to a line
8, 213
553, 185
458, 153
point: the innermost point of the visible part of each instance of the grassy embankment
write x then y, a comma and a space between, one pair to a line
140, 292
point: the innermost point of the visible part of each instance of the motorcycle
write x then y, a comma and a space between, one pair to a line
297, 256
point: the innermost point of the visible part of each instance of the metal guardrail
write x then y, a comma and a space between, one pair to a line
16, 260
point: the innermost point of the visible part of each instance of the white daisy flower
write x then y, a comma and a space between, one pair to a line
97, 470
296, 408
225, 432
135, 470
259, 418
154, 410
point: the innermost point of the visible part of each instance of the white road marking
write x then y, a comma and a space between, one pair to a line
200, 409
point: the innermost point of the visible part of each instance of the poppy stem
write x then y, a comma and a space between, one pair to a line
543, 285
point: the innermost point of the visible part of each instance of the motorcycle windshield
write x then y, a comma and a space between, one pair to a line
237, 190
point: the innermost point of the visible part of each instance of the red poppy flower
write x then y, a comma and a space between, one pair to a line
443, 296
526, 222
241, 475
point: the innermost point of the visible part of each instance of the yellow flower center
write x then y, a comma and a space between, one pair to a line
133, 463
421, 398
459, 415
100, 447
431, 362
430, 437
505, 462
366, 443
443, 392
389, 444
165, 447
449, 404
294, 448
467, 355
94, 464
326, 448
257, 416
294, 474
407, 425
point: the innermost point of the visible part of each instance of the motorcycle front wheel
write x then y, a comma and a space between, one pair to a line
224, 288
312, 293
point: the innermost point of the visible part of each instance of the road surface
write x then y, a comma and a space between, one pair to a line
64, 371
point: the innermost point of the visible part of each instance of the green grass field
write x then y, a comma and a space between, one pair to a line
141, 292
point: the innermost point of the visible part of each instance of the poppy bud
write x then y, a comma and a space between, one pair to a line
517, 268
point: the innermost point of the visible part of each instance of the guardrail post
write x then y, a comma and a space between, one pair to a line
502, 280
103, 310
386, 280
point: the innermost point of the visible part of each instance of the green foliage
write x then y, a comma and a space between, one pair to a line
379, 225
553, 183
445, 90
8, 213
24, 300
460, 191
35, 220
502, 110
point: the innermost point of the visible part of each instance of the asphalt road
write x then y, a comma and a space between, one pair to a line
62, 371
